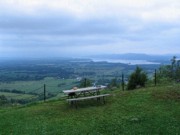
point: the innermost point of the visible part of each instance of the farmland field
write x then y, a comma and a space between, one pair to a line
17, 96
53, 85
29, 76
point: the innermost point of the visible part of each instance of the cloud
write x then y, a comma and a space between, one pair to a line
58, 24
146, 10
57, 30
73, 26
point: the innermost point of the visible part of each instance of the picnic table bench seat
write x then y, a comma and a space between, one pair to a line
74, 100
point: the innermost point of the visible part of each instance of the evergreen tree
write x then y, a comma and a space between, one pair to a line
137, 79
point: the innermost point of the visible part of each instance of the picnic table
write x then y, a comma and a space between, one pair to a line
84, 91
75, 95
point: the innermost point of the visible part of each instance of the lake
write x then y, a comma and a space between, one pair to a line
129, 62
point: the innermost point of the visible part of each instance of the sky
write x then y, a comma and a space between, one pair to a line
73, 28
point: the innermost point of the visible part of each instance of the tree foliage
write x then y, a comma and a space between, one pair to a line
3, 100
85, 83
137, 79
113, 83
170, 71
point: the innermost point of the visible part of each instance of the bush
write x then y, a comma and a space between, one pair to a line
137, 79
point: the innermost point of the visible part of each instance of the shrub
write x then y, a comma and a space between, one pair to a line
137, 79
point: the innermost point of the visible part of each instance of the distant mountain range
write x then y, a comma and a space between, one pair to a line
137, 56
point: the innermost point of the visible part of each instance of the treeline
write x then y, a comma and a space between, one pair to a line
139, 78
171, 72
12, 91
9, 101
36, 72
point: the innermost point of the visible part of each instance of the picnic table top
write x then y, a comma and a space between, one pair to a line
84, 89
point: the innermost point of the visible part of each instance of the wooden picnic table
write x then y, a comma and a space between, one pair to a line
84, 94
84, 91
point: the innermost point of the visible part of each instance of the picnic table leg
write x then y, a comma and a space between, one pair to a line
98, 99
71, 102
103, 100
98, 92
76, 104
84, 94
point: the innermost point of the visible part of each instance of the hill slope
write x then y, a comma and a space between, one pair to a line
152, 110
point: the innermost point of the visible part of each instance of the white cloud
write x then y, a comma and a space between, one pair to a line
166, 14
147, 10
74, 26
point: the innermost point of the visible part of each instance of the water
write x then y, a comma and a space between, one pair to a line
129, 62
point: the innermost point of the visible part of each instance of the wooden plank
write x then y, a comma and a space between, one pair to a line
84, 89
90, 97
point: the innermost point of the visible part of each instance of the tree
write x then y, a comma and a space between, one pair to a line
171, 71
165, 71
113, 83
173, 66
85, 83
3, 100
137, 79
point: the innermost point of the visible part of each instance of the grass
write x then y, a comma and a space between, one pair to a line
51, 85
153, 110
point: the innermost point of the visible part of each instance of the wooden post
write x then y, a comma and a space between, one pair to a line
44, 92
85, 82
155, 78
122, 81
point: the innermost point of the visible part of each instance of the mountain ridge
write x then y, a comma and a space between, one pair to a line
137, 56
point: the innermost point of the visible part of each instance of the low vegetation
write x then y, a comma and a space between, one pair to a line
137, 79
146, 110
153, 110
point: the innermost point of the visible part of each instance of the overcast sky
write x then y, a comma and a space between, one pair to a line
41, 28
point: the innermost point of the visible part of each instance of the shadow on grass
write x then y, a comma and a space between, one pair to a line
88, 104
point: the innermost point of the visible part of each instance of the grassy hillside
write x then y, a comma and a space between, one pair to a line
154, 110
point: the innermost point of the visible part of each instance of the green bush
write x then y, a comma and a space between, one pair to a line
137, 79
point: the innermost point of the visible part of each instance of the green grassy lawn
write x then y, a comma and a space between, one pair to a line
52, 85
154, 110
